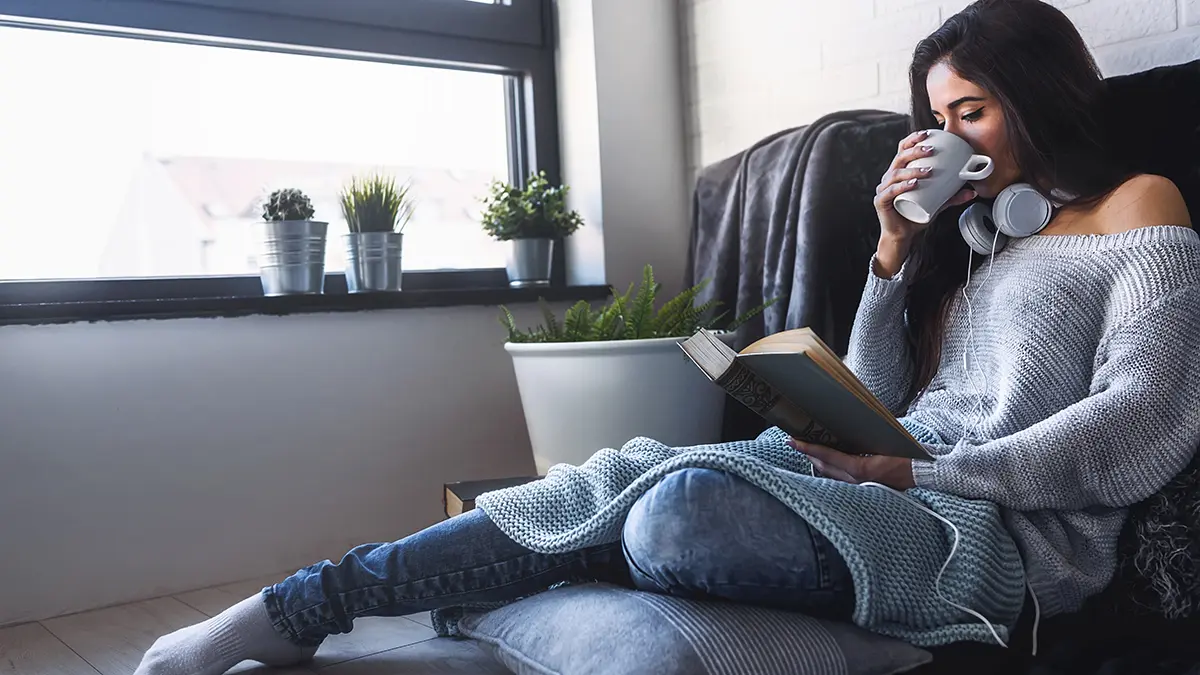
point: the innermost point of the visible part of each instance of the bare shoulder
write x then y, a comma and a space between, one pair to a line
1141, 201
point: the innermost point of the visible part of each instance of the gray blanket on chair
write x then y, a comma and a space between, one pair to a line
791, 216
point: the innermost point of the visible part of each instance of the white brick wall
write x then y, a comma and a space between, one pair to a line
757, 66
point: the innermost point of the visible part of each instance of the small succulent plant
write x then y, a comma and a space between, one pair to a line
537, 211
287, 204
376, 204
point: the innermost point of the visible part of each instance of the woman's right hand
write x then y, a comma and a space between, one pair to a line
896, 181
896, 231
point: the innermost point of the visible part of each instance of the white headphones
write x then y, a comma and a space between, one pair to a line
1018, 211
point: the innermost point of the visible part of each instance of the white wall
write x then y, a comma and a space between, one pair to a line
619, 72
146, 457
759, 66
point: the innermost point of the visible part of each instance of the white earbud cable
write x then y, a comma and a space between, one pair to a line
937, 581
977, 413
953, 549
978, 410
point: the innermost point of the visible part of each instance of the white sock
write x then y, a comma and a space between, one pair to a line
212, 647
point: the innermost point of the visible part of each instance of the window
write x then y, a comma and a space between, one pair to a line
144, 133
167, 166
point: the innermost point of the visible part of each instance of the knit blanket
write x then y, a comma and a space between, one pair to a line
893, 549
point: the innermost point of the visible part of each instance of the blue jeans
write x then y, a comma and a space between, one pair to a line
699, 533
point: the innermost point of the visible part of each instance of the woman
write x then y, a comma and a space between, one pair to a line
1057, 388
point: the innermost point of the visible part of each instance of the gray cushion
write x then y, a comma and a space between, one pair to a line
600, 629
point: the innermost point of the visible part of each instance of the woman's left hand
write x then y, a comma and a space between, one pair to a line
895, 472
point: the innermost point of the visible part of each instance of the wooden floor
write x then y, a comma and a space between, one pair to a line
111, 641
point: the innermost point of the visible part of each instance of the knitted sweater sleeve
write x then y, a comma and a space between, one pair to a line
1138, 427
879, 353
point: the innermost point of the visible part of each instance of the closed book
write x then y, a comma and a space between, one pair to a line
460, 497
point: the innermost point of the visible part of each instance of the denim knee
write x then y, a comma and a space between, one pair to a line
701, 533
668, 530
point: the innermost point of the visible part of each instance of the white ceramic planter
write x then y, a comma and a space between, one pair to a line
580, 397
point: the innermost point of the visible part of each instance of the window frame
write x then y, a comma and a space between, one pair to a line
514, 21
434, 33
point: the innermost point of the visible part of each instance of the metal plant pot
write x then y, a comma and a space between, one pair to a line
529, 262
373, 261
291, 259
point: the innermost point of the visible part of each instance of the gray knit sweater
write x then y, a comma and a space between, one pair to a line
1080, 396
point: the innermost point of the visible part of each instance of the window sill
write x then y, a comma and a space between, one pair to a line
180, 308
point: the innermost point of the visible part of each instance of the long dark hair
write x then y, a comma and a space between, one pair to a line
1033, 61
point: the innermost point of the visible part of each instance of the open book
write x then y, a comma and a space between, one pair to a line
797, 383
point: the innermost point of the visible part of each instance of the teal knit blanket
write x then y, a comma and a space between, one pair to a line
893, 549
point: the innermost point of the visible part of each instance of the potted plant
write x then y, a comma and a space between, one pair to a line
376, 211
291, 259
531, 219
599, 377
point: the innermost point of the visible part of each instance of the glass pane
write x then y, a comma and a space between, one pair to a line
123, 157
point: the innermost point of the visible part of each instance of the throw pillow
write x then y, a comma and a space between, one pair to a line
601, 629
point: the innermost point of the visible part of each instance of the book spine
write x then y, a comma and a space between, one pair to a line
751, 391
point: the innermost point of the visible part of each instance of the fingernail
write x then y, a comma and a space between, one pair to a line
926, 169
927, 148
912, 182
923, 134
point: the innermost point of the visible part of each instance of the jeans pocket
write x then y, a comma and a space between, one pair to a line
820, 577
835, 573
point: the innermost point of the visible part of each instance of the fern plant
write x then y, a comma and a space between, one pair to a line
630, 316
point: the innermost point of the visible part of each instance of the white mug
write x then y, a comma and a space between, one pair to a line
954, 163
